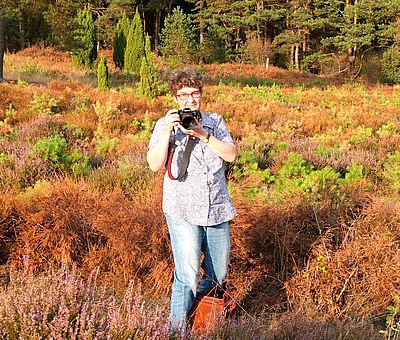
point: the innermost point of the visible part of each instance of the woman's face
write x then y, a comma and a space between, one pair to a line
189, 97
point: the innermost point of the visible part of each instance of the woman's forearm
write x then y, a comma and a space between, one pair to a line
227, 151
157, 155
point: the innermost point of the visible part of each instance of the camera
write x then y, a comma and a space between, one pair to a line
189, 118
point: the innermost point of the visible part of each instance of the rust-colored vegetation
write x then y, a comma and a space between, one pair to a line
316, 185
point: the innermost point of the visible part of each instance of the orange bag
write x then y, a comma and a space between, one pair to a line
208, 308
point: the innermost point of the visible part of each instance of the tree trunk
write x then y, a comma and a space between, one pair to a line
291, 62
157, 30
2, 47
296, 57
201, 59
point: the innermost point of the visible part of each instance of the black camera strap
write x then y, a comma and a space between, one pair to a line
185, 161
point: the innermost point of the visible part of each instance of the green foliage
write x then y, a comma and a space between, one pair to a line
361, 134
79, 164
60, 16
392, 331
387, 130
53, 149
298, 176
391, 170
148, 75
134, 51
214, 48
391, 65
43, 105
30, 69
102, 75
178, 39
105, 113
84, 50
354, 174
106, 145
120, 37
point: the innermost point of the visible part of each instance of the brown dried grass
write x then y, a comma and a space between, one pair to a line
55, 225
8, 219
360, 277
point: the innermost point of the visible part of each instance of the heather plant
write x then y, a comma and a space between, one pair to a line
43, 105
10, 113
60, 304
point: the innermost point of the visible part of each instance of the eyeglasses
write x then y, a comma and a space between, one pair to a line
184, 96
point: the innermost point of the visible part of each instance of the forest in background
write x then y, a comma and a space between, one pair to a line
346, 37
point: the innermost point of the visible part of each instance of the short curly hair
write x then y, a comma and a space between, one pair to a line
185, 77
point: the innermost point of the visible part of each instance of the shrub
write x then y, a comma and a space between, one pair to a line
85, 41
391, 170
61, 304
391, 65
53, 149
43, 105
106, 145
102, 75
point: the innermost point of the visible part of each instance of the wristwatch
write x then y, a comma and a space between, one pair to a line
205, 140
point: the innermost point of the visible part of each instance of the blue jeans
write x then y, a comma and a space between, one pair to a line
188, 241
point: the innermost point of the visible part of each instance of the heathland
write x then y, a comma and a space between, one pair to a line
84, 248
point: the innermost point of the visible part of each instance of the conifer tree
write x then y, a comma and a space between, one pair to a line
178, 38
120, 37
148, 74
102, 75
144, 86
134, 51
85, 41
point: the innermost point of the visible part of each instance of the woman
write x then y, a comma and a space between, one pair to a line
197, 206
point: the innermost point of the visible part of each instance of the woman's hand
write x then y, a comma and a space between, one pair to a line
171, 119
198, 131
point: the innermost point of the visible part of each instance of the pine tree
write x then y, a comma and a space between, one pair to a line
120, 38
134, 51
178, 39
102, 75
148, 74
85, 41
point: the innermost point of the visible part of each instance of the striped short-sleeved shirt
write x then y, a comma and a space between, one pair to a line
201, 197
